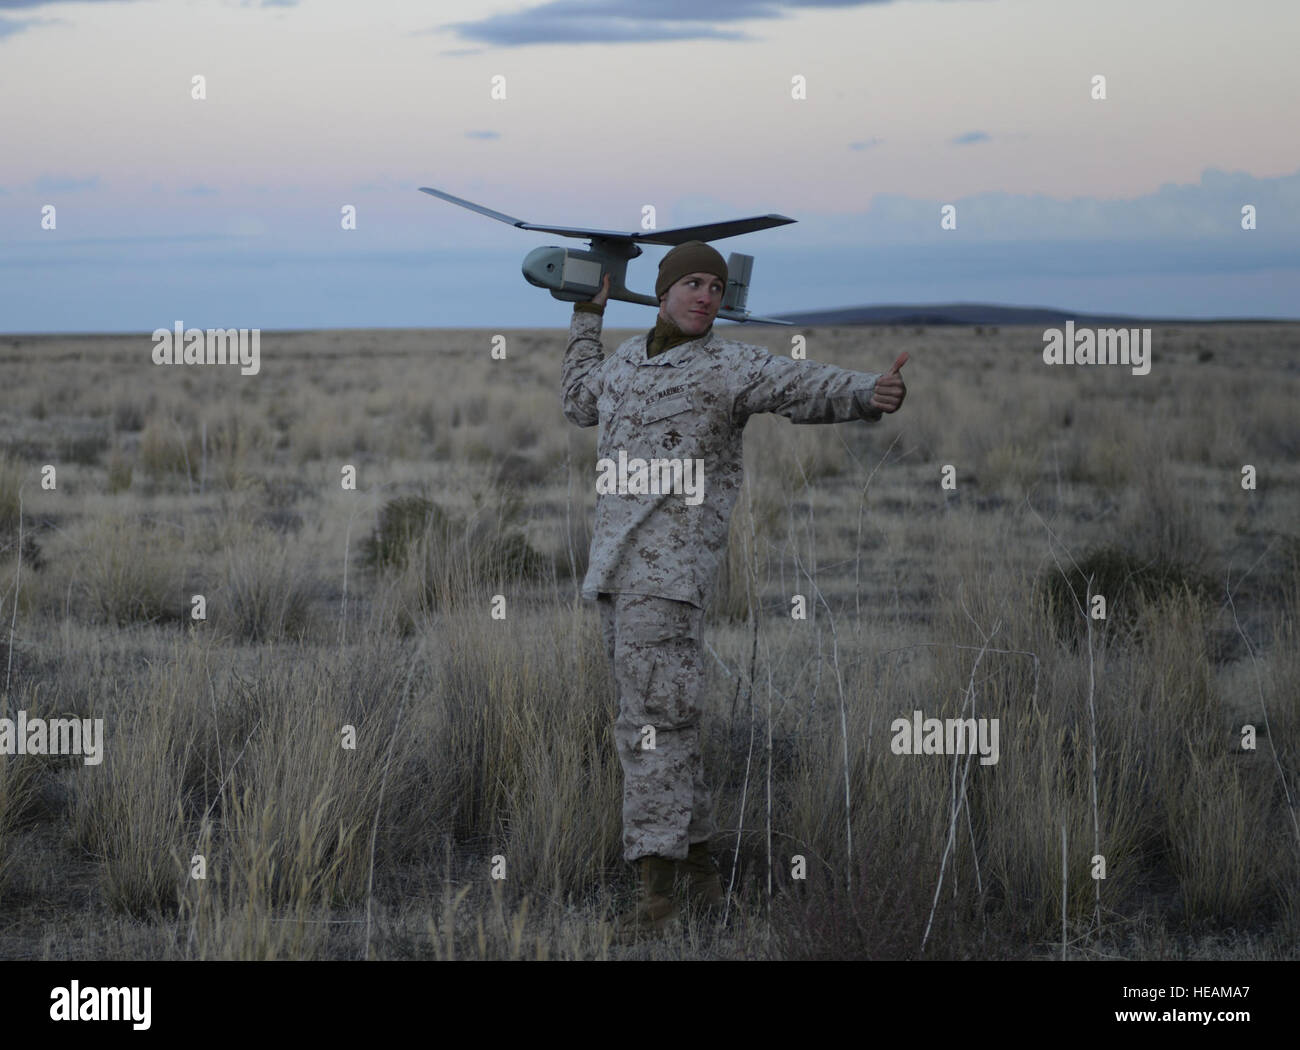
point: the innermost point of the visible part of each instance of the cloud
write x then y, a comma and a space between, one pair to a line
868, 144
1208, 208
632, 21
552, 25
199, 191
970, 137
628, 21
482, 135
14, 5
64, 184
12, 26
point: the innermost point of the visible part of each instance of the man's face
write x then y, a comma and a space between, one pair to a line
693, 302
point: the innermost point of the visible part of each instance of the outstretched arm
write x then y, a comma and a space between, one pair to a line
808, 392
581, 357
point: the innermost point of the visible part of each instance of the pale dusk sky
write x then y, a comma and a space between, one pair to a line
226, 210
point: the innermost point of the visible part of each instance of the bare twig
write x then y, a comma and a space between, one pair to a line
751, 585
952, 822
343, 609
1092, 713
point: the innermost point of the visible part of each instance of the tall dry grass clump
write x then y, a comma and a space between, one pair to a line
268, 594
440, 560
1123, 743
19, 786
12, 478
271, 775
129, 812
737, 583
524, 715
131, 570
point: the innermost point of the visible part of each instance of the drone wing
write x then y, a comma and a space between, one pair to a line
713, 231
499, 216
564, 231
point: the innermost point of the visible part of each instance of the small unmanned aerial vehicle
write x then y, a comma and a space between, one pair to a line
576, 276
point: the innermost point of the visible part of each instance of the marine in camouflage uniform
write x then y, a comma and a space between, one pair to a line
677, 393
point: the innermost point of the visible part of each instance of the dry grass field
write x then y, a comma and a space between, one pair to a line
348, 744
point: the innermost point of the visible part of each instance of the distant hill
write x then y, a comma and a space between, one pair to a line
990, 314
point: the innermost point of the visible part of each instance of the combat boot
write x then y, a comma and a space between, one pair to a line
655, 906
703, 883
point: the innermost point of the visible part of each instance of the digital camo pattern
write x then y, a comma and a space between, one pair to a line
653, 646
689, 402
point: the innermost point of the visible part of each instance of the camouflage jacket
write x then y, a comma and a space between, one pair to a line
689, 402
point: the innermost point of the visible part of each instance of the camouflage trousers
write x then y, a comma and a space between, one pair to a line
654, 649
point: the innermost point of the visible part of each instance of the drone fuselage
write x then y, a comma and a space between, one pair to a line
576, 276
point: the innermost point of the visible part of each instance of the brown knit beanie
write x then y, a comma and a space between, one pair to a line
690, 257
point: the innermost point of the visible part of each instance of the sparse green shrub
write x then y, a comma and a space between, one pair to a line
402, 521
450, 558
1124, 579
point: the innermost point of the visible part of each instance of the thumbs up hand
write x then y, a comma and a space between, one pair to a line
890, 389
